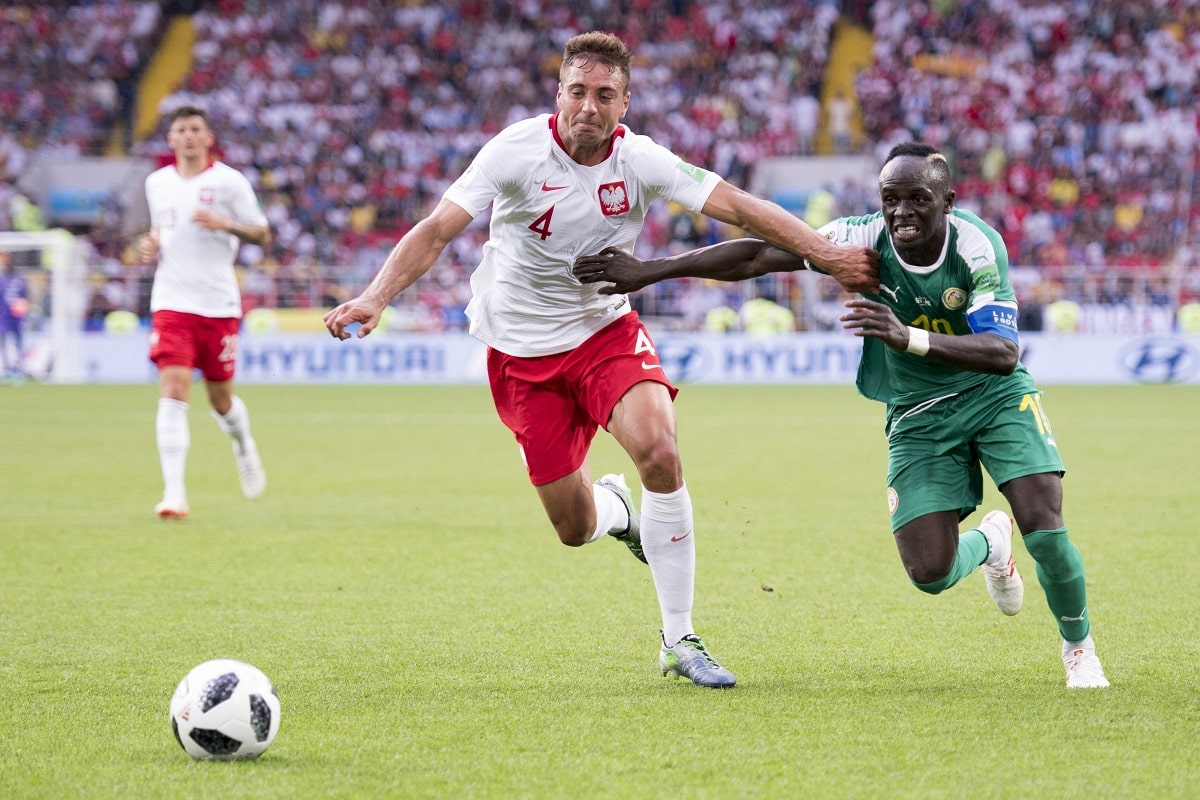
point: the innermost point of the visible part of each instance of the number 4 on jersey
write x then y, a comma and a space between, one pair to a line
541, 225
643, 344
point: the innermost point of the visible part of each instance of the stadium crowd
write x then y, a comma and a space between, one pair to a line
68, 76
1074, 126
1071, 125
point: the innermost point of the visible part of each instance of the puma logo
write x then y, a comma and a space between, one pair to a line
890, 291
1082, 614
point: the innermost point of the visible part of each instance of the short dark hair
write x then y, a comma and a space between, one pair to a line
597, 47
189, 111
933, 157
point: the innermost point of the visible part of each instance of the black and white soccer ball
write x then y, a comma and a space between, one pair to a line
225, 709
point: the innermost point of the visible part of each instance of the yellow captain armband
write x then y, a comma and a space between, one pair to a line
918, 341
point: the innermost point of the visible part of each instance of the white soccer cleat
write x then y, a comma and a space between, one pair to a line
250, 470
1004, 583
166, 510
1083, 667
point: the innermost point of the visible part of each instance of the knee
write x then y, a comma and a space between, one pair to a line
930, 574
928, 548
658, 464
1038, 518
930, 579
573, 533
572, 540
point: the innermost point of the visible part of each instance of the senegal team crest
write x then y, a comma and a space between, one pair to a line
614, 199
954, 298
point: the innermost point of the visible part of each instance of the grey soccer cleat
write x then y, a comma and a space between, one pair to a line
631, 536
689, 658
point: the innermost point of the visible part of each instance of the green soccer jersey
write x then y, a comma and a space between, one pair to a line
966, 291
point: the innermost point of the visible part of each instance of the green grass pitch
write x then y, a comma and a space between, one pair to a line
430, 638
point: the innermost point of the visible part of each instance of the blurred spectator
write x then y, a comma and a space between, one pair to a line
841, 119
762, 316
722, 319
1062, 316
14, 307
1188, 318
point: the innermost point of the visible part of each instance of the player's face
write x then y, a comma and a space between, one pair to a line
592, 99
190, 136
915, 203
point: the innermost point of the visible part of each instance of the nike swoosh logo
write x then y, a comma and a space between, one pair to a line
546, 187
681, 538
651, 366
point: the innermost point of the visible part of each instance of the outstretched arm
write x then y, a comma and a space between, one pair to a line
734, 260
411, 258
855, 268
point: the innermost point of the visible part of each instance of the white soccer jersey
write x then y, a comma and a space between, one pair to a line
547, 210
195, 269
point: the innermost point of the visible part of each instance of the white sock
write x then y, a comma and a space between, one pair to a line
174, 438
670, 548
611, 514
236, 423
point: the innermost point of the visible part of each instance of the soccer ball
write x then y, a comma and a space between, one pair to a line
225, 709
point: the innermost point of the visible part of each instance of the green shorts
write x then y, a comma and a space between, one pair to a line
936, 450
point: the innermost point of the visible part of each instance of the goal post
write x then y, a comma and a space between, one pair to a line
63, 259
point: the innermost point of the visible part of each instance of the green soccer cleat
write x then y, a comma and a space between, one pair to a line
631, 536
689, 658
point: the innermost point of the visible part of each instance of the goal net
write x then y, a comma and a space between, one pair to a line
53, 266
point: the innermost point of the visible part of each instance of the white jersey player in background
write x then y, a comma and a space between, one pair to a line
200, 211
563, 359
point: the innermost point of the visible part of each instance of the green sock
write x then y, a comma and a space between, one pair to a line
972, 550
1060, 572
